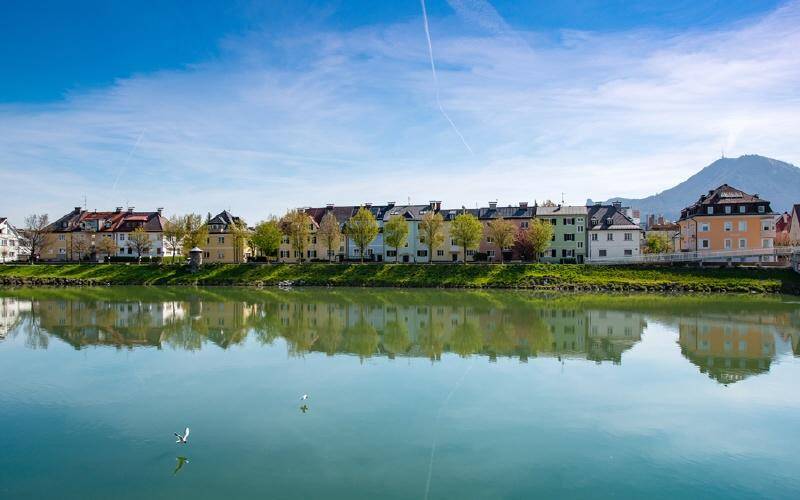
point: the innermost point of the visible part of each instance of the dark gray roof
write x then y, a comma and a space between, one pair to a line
608, 217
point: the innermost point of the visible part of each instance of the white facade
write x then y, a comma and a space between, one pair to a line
12, 248
614, 243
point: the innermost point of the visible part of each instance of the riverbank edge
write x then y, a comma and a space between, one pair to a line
546, 277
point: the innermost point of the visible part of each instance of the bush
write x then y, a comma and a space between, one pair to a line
131, 258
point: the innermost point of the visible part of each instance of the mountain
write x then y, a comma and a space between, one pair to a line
773, 180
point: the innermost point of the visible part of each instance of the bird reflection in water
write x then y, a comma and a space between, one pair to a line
181, 461
304, 408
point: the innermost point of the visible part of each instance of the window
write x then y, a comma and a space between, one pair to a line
569, 221
569, 237
766, 243
602, 253
705, 227
580, 229
609, 236
452, 242
762, 209
628, 236
553, 221
727, 209
728, 244
490, 253
704, 244
470, 252
742, 225
62, 238
488, 239
221, 239
440, 253
285, 240
553, 253
710, 210
594, 236
567, 253
313, 240
628, 252
580, 220
742, 209
220, 255
580, 244
422, 253
765, 226
524, 224
728, 226
742, 243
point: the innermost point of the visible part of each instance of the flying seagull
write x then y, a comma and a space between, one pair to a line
182, 439
303, 397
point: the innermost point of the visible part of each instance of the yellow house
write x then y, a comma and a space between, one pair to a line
222, 244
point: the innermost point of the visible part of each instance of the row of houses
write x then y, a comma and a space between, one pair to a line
724, 219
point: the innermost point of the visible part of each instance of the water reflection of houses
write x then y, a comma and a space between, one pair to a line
11, 313
430, 330
730, 349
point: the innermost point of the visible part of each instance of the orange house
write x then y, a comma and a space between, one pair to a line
727, 219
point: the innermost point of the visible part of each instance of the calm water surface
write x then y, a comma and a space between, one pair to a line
412, 394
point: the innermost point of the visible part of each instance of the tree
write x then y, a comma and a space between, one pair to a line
502, 232
81, 244
107, 246
267, 237
37, 232
466, 231
534, 241
240, 235
362, 228
656, 243
139, 241
195, 232
431, 227
395, 233
330, 234
296, 224
174, 233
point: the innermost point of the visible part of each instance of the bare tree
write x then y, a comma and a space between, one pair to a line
174, 233
81, 244
139, 241
37, 232
502, 233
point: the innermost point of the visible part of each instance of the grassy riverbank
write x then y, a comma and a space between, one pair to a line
536, 276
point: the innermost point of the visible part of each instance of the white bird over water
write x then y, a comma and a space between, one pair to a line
303, 397
182, 439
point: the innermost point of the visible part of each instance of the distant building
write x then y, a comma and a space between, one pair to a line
117, 225
671, 231
794, 225
569, 238
727, 219
12, 244
221, 243
611, 233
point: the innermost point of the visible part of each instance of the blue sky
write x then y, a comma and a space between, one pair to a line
262, 106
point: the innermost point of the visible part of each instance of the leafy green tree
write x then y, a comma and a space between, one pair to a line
362, 228
296, 224
395, 233
502, 232
267, 237
432, 229
656, 243
533, 241
466, 231
241, 235
195, 232
106, 246
81, 244
329, 234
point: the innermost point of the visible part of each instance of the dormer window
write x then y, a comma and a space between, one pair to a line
742, 209
710, 210
761, 209
594, 221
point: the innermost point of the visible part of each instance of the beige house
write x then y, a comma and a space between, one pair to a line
222, 244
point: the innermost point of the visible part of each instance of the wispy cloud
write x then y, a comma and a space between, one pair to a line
345, 116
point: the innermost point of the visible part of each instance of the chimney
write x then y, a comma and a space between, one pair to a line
368, 204
130, 210
329, 206
616, 204
755, 196
77, 210
160, 210
118, 210
523, 204
390, 204
492, 205
436, 205
598, 203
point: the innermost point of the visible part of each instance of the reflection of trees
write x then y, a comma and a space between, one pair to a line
395, 338
466, 338
361, 338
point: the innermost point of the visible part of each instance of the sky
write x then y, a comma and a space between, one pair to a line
258, 107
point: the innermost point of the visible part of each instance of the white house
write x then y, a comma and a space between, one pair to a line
611, 234
12, 245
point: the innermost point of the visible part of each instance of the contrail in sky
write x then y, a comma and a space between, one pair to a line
125, 162
436, 79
